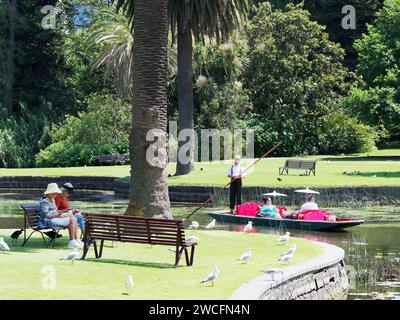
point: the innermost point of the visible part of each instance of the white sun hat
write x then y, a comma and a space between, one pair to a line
52, 188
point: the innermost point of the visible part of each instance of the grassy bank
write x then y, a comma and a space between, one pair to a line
379, 168
24, 270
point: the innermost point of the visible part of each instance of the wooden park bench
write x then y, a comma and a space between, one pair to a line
31, 220
114, 158
307, 165
136, 230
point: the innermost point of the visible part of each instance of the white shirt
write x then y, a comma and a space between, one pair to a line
309, 206
235, 170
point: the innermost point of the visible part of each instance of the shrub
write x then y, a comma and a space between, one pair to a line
342, 134
23, 134
59, 154
102, 129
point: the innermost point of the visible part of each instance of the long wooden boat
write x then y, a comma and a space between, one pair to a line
313, 225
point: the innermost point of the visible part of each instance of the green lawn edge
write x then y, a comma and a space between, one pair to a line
28, 272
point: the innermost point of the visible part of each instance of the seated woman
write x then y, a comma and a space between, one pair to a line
268, 210
62, 204
309, 205
51, 217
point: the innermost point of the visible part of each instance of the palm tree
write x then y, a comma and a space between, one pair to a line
112, 37
111, 33
149, 185
201, 19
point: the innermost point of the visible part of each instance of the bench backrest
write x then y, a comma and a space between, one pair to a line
31, 214
135, 229
307, 164
300, 164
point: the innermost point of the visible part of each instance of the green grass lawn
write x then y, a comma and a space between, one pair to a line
23, 271
379, 168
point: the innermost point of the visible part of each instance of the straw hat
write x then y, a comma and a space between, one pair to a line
52, 188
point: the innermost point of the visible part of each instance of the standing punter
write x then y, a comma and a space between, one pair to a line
236, 174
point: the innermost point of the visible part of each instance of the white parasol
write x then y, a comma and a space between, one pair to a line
274, 194
307, 191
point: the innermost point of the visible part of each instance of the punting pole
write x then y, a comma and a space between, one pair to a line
229, 183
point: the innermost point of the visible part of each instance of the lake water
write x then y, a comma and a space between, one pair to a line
372, 249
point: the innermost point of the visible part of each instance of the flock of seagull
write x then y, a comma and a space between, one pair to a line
213, 276
246, 256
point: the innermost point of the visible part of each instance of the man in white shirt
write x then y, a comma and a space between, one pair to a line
309, 205
236, 174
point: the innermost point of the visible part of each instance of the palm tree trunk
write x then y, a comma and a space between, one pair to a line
149, 184
9, 65
185, 94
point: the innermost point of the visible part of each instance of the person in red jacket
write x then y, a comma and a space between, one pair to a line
62, 204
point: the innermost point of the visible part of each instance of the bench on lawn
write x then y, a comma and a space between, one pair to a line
31, 220
101, 227
114, 158
307, 165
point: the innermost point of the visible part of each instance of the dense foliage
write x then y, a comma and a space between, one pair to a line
102, 129
377, 102
292, 73
296, 79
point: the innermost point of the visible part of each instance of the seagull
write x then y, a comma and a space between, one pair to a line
291, 250
3, 245
72, 256
284, 238
212, 276
286, 258
245, 257
194, 225
211, 225
129, 284
273, 272
15, 235
192, 240
248, 227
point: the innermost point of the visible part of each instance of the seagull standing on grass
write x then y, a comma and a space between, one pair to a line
3, 245
72, 256
286, 258
284, 238
129, 284
211, 225
245, 257
194, 225
273, 272
192, 240
291, 250
212, 276
248, 227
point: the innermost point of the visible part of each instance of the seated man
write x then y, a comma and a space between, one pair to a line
309, 205
62, 204
51, 217
268, 210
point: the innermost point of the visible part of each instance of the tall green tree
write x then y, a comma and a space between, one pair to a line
11, 6
149, 184
377, 102
295, 77
199, 19
329, 13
